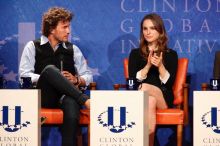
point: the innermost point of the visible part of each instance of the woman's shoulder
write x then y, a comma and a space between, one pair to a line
135, 51
171, 55
171, 52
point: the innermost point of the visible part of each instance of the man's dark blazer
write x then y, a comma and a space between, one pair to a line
216, 70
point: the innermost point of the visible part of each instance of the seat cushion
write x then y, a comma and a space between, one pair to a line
169, 116
55, 116
84, 117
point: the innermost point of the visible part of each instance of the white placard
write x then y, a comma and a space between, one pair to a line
206, 118
19, 117
119, 118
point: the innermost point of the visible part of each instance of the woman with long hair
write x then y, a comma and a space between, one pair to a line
154, 65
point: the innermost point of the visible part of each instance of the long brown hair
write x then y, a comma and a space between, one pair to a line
160, 28
51, 18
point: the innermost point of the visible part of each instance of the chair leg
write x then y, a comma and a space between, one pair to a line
88, 134
79, 137
179, 135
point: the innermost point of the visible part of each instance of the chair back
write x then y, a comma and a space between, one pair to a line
126, 68
179, 81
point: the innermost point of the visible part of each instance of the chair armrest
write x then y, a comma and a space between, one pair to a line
93, 86
119, 86
204, 86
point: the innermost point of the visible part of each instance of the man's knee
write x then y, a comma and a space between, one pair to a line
49, 68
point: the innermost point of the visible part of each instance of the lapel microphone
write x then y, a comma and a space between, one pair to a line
61, 62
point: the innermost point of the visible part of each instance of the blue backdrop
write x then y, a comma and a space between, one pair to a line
107, 30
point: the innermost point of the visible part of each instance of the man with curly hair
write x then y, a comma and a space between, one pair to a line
58, 67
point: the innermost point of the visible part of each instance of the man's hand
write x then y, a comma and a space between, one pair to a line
70, 77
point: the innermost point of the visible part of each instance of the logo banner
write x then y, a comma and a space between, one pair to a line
206, 118
120, 117
19, 118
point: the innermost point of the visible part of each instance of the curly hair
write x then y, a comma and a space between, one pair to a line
51, 18
160, 28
